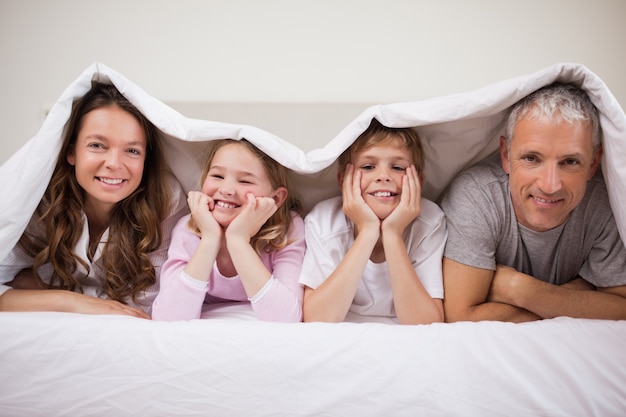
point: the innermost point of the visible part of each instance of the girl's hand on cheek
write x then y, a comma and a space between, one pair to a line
201, 207
252, 217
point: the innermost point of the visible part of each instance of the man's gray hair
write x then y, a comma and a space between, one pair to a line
557, 102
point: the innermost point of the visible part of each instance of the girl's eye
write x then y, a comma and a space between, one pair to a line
399, 168
219, 177
367, 167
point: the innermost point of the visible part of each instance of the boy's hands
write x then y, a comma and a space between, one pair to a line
410, 206
354, 206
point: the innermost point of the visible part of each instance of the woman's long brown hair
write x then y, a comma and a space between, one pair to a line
135, 222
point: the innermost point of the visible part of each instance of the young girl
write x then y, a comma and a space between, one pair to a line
244, 240
97, 230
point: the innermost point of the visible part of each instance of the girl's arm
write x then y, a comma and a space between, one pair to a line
251, 270
412, 302
185, 274
281, 298
332, 299
277, 296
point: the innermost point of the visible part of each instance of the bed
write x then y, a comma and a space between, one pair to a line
62, 364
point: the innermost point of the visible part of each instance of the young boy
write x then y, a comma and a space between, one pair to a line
376, 250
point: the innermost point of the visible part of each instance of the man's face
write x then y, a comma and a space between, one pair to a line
549, 165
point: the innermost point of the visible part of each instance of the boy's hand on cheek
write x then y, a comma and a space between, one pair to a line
410, 206
354, 206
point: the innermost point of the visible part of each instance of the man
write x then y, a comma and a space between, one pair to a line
531, 232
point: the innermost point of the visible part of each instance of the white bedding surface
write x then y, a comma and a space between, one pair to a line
60, 364
55, 364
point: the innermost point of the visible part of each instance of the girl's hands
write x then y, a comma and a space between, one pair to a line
354, 206
201, 207
410, 206
253, 216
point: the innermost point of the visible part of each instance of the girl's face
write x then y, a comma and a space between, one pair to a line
235, 172
108, 157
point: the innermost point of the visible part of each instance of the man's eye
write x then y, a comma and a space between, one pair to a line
529, 158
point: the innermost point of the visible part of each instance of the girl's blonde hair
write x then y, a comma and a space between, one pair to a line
273, 235
135, 222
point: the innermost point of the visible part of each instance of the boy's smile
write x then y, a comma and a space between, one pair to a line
382, 168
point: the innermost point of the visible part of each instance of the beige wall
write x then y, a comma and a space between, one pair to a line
295, 50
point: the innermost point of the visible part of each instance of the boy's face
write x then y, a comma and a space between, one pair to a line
382, 168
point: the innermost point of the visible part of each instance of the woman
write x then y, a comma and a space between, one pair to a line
99, 229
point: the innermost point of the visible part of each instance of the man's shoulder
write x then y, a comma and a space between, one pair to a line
485, 180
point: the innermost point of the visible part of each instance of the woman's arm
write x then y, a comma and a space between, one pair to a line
65, 301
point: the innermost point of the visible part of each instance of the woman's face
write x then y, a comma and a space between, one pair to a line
108, 157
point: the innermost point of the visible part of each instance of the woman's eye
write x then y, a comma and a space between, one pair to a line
571, 162
95, 145
134, 152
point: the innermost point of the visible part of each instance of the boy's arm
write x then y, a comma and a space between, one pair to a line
331, 301
412, 302
333, 298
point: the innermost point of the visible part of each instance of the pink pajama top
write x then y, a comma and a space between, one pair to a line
182, 297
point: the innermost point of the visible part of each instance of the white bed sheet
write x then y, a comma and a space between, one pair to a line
61, 364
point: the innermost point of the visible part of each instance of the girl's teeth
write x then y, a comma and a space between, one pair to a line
225, 205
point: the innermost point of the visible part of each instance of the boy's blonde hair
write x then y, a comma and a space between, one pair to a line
273, 235
377, 134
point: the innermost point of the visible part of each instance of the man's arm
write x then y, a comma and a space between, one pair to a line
466, 290
548, 301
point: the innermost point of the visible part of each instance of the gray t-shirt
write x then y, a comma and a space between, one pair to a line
483, 231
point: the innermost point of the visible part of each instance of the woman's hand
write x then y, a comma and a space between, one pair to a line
64, 301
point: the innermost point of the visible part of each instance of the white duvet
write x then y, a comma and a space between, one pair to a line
60, 364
